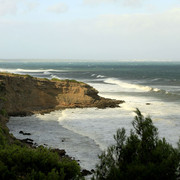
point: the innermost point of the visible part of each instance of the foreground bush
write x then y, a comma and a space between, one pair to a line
26, 163
140, 156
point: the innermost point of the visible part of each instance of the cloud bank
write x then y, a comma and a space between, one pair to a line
109, 36
13, 6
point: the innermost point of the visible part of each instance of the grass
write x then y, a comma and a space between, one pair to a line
17, 75
46, 79
65, 80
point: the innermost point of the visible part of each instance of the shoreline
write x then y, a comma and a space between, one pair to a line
21, 95
61, 152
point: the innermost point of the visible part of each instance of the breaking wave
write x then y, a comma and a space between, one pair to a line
56, 77
97, 75
45, 71
134, 86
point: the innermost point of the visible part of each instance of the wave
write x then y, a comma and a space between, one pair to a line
134, 86
54, 76
97, 75
163, 79
66, 121
100, 76
45, 71
156, 79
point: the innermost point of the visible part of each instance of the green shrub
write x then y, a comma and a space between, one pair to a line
28, 76
55, 79
140, 156
26, 163
3, 112
2, 138
72, 80
65, 80
46, 79
3, 99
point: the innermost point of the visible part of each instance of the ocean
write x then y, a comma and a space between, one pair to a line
153, 87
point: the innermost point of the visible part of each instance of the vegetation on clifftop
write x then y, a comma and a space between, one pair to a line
65, 80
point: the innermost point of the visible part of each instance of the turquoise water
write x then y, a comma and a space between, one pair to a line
138, 83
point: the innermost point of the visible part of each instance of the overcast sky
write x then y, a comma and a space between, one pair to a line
90, 29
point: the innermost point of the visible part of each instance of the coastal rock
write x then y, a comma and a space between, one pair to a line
26, 95
27, 141
60, 152
23, 133
85, 172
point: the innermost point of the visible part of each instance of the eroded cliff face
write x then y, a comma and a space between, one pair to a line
24, 95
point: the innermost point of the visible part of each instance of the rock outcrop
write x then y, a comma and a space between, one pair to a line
23, 95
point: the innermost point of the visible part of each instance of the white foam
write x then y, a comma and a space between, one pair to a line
54, 76
105, 87
94, 123
100, 76
126, 85
29, 70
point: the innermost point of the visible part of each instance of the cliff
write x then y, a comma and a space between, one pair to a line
23, 95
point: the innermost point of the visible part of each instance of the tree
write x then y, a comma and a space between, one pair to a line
142, 155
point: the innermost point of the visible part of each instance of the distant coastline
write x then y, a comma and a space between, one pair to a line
91, 60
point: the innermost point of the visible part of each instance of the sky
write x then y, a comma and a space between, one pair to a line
90, 29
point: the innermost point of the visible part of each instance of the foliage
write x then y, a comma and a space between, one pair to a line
2, 88
3, 99
65, 80
72, 80
140, 156
55, 79
17, 75
28, 76
45, 79
2, 136
3, 112
26, 163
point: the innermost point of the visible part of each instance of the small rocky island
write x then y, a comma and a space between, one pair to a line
26, 95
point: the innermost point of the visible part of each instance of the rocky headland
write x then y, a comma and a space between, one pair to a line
25, 95
22, 95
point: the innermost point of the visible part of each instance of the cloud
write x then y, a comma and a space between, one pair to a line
13, 6
8, 7
129, 3
58, 8
98, 1
31, 5
133, 3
